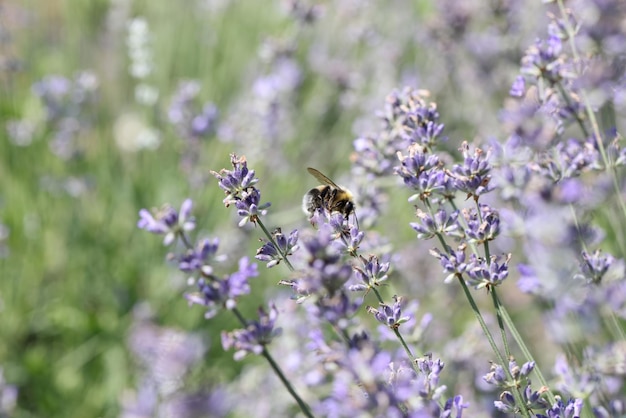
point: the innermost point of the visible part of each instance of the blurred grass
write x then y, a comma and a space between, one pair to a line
77, 264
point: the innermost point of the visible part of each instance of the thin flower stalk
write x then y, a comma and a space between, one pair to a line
609, 168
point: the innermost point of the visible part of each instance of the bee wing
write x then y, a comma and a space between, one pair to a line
316, 173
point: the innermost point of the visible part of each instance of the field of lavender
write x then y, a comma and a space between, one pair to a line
145, 273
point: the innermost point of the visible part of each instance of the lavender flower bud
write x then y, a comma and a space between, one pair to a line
215, 293
197, 259
474, 175
286, 246
440, 223
235, 181
519, 87
390, 316
248, 206
167, 221
373, 272
560, 409
483, 228
257, 334
595, 265
454, 264
481, 273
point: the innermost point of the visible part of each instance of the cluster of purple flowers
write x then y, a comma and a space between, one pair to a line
327, 268
191, 120
68, 105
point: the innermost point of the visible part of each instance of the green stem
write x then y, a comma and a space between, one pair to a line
568, 102
240, 317
184, 239
504, 362
377, 293
525, 351
265, 353
404, 345
519, 399
590, 113
615, 326
303, 406
498, 306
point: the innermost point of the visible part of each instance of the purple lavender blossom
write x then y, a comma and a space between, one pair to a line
54, 91
560, 409
518, 87
498, 377
235, 181
168, 222
386, 388
390, 315
431, 371
528, 281
350, 242
422, 172
335, 309
191, 120
441, 223
407, 119
568, 159
249, 206
595, 265
474, 175
258, 334
326, 272
197, 259
482, 273
454, 407
372, 155
533, 399
544, 60
615, 408
215, 293
481, 228
8, 396
272, 255
415, 120
167, 355
67, 105
373, 273
454, 263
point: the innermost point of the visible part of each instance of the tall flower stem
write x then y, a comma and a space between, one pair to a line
515, 390
303, 406
266, 354
396, 331
519, 400
522, 345
590, 113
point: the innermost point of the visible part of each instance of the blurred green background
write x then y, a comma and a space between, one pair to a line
75, 267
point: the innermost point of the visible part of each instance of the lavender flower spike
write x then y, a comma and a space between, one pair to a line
233, 182
167, 221
257, 335
286, 245
215, 293
390, 316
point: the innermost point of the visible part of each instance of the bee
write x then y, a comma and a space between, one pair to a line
328, 196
